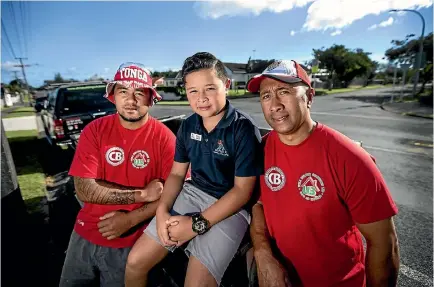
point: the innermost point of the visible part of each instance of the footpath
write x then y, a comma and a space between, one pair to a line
413, 109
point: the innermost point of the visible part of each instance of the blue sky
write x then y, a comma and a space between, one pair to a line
80, 39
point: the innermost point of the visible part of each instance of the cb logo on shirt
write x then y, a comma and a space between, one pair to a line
275, 178
115, 156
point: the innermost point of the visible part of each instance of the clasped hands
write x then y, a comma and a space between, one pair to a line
174, 230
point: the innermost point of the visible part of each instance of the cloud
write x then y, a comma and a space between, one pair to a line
218, 8
10, 66
335, 33
293, 32
321, 15
337, 14
386, 23
378, 57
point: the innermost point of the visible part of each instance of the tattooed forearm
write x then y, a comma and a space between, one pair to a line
102, 192
143, 213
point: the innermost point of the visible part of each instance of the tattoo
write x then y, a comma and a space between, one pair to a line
143, 208
102, 192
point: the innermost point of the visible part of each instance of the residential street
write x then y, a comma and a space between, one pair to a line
402, 146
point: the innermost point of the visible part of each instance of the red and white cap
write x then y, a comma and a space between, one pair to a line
283, 70
132, 75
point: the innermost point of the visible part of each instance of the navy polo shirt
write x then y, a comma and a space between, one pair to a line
232, 148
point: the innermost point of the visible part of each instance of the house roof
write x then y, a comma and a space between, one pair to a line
236, 67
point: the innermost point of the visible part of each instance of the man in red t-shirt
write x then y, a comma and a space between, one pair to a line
319, 191
119, 168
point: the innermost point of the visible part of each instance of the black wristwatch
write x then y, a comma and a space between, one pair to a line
200, 224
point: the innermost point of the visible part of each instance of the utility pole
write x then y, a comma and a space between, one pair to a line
14, 219
419, 55
25, 78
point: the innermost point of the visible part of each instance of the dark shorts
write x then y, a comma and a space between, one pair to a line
87, 264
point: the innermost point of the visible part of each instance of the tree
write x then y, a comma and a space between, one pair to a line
166, 74
344, 64
405, 51
58, 78
258, 66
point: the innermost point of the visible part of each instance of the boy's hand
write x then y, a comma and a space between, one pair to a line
163, 234
180, 229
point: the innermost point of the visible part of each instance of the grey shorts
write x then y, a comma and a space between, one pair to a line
216, 248
87, 264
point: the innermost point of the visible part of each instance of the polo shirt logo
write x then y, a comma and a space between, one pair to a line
275, 178
311, 186
220, 150
140, 159
115, 156
196, 137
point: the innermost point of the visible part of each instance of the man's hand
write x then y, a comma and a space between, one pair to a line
162, 216
151, 193
114, 224
180, 229
270, 272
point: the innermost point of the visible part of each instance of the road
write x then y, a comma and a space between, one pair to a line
402, 147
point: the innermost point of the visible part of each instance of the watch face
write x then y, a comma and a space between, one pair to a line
199, 226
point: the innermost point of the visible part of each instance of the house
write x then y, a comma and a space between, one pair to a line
240, 74
157, 81
172, 81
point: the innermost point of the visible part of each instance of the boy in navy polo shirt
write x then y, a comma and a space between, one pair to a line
223, 147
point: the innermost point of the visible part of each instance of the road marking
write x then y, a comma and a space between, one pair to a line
396, 151
416, 275
362, 116
423, 144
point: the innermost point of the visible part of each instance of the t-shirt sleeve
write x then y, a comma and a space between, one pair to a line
86, 161
366, 193
249, 156
167, 153
181, 154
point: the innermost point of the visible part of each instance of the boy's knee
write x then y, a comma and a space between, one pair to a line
137, 261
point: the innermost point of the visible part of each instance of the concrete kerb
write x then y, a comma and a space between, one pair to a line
384, 106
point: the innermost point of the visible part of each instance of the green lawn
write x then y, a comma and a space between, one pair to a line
347, 90
25, 151
20, 112
235, 93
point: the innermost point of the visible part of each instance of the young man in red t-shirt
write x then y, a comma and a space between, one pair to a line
319, 191
119, 168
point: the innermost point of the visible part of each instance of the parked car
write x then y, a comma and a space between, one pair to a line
70, 107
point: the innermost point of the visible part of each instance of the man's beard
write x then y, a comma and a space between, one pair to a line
131, 120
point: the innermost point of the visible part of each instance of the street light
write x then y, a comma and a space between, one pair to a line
419, 57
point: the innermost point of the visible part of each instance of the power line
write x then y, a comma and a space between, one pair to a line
6, 48
25, 38
16, 27
7, 39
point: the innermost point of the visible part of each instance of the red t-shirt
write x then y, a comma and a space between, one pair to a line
313, 194
132, 158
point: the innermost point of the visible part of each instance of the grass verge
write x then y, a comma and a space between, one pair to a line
20, 112
25, 151
173, 103
347, 90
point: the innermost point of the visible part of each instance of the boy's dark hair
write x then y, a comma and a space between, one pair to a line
203, 60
